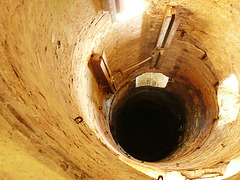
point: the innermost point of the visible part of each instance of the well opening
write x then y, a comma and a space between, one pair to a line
148, 123
153, 124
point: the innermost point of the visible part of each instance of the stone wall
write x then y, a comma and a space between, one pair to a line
46, 83
44, 46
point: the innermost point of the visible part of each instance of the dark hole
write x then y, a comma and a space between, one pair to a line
59, 44
147, 123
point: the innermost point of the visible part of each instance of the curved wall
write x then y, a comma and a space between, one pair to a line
46, 84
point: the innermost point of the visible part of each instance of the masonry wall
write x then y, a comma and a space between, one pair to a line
43, 46
46, 82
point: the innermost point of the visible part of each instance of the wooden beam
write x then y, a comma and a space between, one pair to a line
169, 26
157, 56
102, 72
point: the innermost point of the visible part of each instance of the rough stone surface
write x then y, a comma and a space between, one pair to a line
43, 46
45, 83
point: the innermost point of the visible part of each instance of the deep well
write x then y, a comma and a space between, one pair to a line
55, 115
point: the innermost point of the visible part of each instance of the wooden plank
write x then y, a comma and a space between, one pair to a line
169, 27
108, 73
173, 30
106, 62
163, 31
95, 62
102, 72
156, 58
159, 62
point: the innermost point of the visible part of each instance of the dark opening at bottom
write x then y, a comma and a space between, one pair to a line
147, 123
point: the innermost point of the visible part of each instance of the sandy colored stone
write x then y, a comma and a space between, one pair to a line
45, 83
